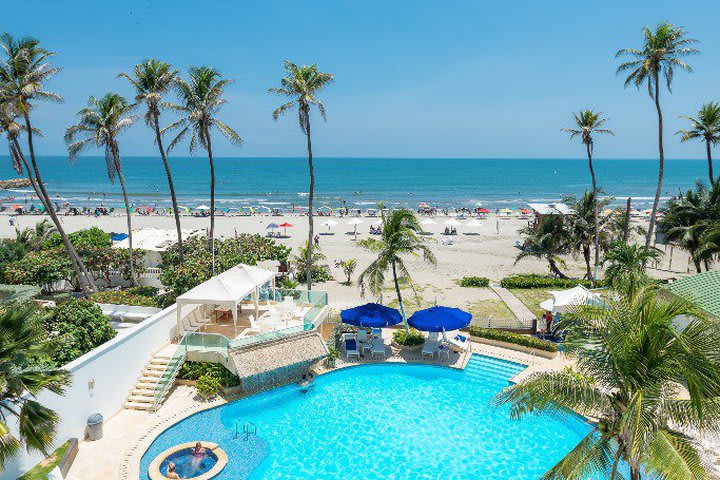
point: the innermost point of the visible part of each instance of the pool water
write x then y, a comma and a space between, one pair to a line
188, 465
383, 421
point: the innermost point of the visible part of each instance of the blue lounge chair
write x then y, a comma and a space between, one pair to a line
351, 346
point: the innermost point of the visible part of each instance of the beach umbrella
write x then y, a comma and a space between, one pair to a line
202, 207
354, 223
183, 209
428, 222
452, 223
272, 226
285, 226
483, 210
371, 315
437, 319
506, 210
377, 223
474, 223
118, 237
329, 224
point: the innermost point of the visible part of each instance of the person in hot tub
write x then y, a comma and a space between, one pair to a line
199, 450
171, 471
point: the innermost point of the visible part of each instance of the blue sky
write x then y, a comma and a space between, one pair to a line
413, 78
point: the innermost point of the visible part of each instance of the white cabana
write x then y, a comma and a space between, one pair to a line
562, 299
228, 289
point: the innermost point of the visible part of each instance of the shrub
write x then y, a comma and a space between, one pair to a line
475, 282
195, 370
88, 238
137, 296
41, 268
10, 251
541, 281
208, 386
413, 338
516, 338
80, 326
319, 274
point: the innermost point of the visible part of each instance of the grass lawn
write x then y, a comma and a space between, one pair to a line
40, 471
495, 309
532, 297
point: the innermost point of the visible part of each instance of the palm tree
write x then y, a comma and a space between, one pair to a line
549, 240
661, 53
689, 218
152, 79
588, 123
33, 238
630, 361
627, 263
201, 99
585, 228
709, 249
400, 236
25, 351
300, 261
301, 85
100, 125
23, 73
705, 127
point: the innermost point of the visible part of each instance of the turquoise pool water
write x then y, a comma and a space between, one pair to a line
383, 421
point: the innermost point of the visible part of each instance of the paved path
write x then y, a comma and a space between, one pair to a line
518, 308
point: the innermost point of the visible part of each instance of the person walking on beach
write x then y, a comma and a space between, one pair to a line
317, 240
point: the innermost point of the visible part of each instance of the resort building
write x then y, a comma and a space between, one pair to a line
154, 241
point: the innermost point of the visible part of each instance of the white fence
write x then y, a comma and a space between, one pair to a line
101, 380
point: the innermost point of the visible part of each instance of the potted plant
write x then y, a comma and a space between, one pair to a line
333, 354
404, 340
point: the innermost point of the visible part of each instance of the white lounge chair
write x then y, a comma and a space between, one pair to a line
431, 344
457, 341
378, 346
351, 346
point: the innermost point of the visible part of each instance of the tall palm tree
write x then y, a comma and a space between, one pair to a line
587, 124
705, 127
549, 240
709, 249
661, 54
201, 98
100, 125
24, 70
400, 236
585, 228
301, 85
24, 350
152, 79
626, 272
630, 361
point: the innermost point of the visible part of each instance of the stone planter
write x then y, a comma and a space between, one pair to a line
515, 347
407, 348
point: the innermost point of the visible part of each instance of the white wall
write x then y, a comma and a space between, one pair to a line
115, 367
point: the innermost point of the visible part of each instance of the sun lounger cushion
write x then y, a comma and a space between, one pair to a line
350, 344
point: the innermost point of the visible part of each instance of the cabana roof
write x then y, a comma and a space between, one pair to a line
550, 208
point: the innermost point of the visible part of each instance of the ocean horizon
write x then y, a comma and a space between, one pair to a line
358, 182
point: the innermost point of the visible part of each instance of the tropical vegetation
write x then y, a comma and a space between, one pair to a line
514, 338
705, 127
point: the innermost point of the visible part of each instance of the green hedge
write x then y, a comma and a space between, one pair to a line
197, 370
138, 296
516, 338
408, 339
541, 281
475, 282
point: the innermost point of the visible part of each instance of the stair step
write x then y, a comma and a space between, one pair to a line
144, 392
146, 385
137, 406
140, 399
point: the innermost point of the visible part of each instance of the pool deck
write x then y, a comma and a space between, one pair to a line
130, 432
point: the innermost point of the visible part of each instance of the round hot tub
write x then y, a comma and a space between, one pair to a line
201, 466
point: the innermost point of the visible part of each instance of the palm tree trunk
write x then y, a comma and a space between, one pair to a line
83, 276
696, 261
586, 257
554, 268
661, 171
212, 197
311, 194
595, 213
616, 461
399, 297
158, 139
626, 227
710, 165
131, 255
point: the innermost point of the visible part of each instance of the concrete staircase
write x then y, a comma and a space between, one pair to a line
142, 396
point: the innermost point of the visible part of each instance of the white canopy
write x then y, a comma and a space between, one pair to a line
202, 207
227, 289
329, 223
562, 299
354, 221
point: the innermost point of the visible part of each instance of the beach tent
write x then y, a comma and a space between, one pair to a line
564, 299
227, 289
371, 315
437, 319
329, 224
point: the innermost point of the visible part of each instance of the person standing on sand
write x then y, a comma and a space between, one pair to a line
317, 240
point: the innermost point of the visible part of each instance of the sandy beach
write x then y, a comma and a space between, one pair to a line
480, 251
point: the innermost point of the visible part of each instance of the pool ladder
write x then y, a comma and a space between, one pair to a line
248, 429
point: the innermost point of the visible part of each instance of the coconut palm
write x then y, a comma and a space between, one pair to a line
631, 360
201, 98
301, 85
705, 127
24, 70
663, 48
588, 123
152, 79
549, 241
690, 217
300, 261
626, 267
33, 238
100, 125
709, 249
400, 236
24, 349
585, 228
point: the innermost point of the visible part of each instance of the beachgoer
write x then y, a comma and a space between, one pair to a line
171, 471
548, 321
317, 240
199, 450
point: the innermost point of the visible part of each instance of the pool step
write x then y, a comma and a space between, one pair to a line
142, 395
492, 369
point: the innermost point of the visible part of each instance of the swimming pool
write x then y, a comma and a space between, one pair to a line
383, 421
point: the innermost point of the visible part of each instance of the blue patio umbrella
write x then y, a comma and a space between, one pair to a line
437, 319
117, 237
272, 225
371, 315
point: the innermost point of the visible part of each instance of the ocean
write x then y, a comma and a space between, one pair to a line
357, 182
